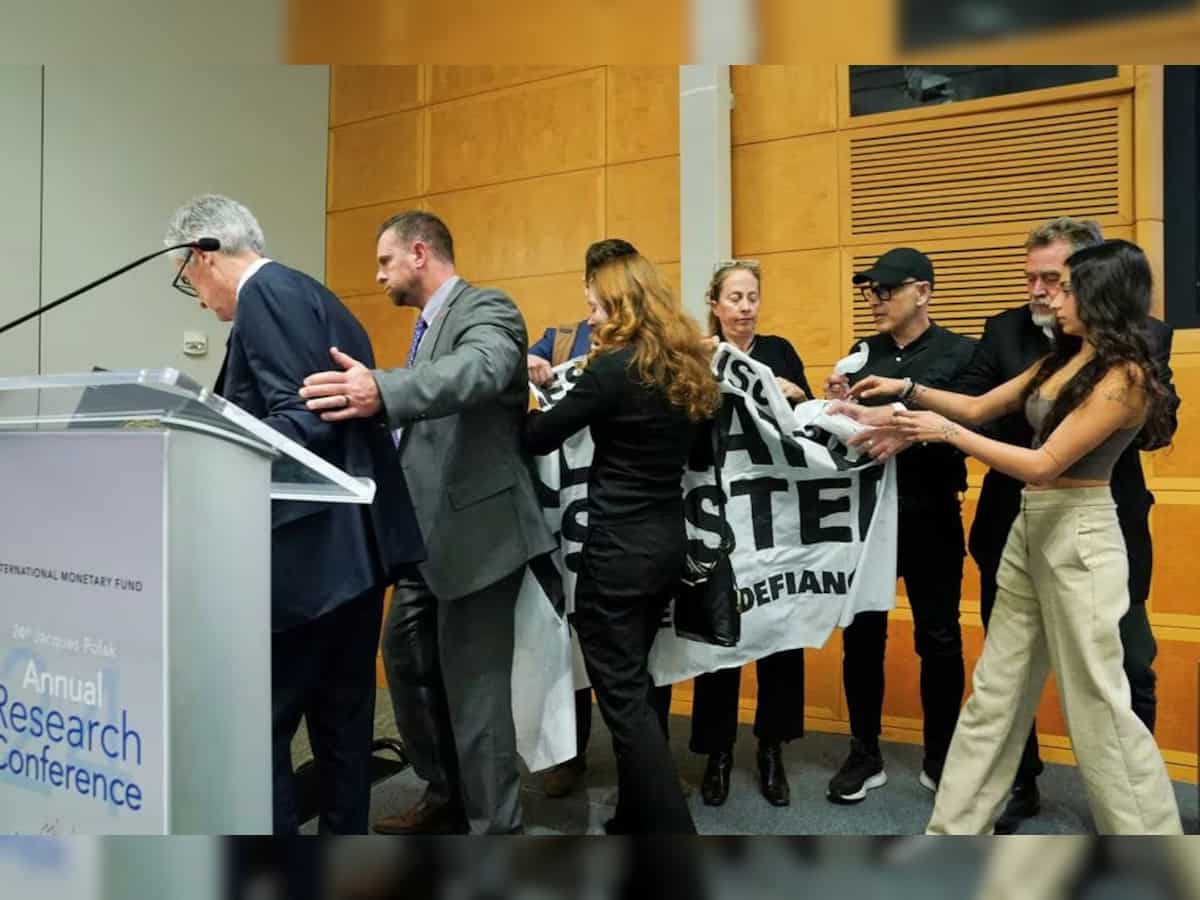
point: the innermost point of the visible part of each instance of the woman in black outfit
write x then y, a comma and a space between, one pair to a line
733, 300
645, 387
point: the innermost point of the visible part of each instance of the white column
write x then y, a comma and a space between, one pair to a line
705, 204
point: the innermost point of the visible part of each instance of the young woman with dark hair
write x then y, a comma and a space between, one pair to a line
1062, 582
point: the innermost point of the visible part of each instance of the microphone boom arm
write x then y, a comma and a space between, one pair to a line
202, 244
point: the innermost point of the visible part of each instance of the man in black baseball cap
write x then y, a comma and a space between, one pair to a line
897, 290
897, 266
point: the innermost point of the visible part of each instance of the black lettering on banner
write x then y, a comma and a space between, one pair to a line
793, 452
808, 583
696, 508
761, 512
574, 529
868, 496
567, 476
813, 509
550, 580
739, 372
776, 584
559, 387
749, 440
833, 582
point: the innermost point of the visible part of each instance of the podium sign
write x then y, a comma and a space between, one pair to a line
45, 867
82, 669
135, 601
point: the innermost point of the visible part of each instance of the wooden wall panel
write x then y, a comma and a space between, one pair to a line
969, 605
1175, 529
390, 326
642, 206
801, 301
989, 173
1179, 696
642, 112
823, 696
537, 129
547, 301
785, 195
902, 689
536, 227
363, 92
350, 238
449, 82
1182, 459
772, 102
374, 160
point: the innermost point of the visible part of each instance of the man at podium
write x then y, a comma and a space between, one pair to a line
330, 562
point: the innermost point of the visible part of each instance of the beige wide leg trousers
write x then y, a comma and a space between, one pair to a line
1062, 591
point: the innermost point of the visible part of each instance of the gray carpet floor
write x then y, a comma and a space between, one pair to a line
901, 807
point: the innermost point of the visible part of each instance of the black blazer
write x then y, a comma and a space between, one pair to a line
1011, 343
322, 554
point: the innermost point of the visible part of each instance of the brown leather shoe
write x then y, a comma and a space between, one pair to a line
424, 817
564, 778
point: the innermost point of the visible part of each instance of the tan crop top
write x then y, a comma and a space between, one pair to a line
1095, 465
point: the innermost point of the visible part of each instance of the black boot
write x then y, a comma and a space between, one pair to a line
772, 777
714, 789
1024, 803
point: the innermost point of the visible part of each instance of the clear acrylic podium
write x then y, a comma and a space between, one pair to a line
135, 542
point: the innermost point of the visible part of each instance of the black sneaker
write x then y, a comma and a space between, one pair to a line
1025, 802
862, 771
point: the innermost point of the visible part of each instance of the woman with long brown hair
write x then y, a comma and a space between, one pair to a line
645, 388
1063, 578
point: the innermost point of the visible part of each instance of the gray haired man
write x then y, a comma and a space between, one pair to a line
1012, 341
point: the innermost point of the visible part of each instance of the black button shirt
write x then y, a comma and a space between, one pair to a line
934, 472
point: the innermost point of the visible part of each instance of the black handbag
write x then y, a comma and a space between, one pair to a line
706, 602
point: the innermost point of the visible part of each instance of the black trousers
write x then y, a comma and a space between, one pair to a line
661, 700
324, 670
778, 717
627, 573
931, 552
1137, 639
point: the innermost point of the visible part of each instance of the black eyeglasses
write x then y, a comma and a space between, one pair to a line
180, 282
882, 292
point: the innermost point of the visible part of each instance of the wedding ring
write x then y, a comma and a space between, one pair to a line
346, 398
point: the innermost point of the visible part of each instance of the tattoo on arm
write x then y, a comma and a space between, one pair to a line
949, 430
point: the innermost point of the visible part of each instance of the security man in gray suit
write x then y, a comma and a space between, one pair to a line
458, 409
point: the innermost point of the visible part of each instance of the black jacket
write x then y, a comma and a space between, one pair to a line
322, 554
1011, 343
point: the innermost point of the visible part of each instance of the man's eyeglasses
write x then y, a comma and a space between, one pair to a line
180, 282
882, 292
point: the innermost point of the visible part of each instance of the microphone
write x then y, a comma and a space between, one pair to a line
205, 243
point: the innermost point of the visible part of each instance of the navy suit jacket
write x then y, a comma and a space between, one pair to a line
579, 346
322, 554
1011, 343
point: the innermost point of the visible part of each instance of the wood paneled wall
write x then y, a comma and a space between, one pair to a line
528, 165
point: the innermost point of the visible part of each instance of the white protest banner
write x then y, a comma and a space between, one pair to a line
82, 668
814, 529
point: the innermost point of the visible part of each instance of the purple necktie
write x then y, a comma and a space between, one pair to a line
418, 333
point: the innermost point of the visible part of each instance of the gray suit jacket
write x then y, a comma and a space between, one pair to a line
462, 406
